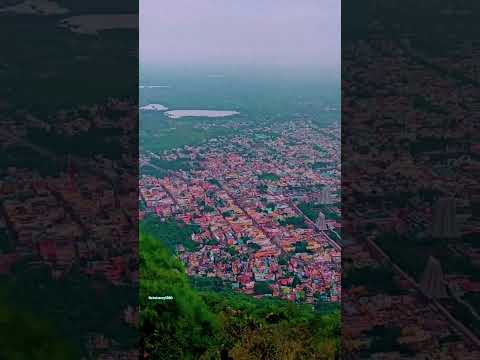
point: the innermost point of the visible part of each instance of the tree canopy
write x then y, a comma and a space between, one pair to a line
213, 325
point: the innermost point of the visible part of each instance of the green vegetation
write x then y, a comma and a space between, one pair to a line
160, 138
160, 168
269, 177
455, 264
70, 309
202, 283
450, 338
262, 188
25, 336
324, 307
254, 246
180, 328
412, 254
262, 288
464, 315
473, 299
385, 339
174, 165
171, 232
212, 325
296, 281
296, 221
245, 238
284, 259
232, 251
208, 209
99, 141
426, 144
211, 242
25, 157
270, 206
311, 211
219, 202
95, 77
5, 242
301, 247
375, 279
320, 149
306, 188
151, 171
214, 182
321, 165
426, 105
271, 135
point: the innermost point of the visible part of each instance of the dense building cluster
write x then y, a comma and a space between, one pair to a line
61, 211
243, 193
411, 161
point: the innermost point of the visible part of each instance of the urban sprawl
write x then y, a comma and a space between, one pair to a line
265, 202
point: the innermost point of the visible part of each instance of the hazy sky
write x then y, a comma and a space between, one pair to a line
265, 33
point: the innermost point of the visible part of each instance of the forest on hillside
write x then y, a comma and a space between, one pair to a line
193, 324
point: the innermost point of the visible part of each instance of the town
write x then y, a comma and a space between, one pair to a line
409, 183
266, 203
61, 217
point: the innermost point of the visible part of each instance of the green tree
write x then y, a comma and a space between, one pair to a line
24, 336
262, 288
180, 328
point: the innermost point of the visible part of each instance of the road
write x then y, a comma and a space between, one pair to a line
462, 328
324, 234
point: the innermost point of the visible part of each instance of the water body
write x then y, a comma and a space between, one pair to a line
154, 86
92, 24
254, 94
176, 114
